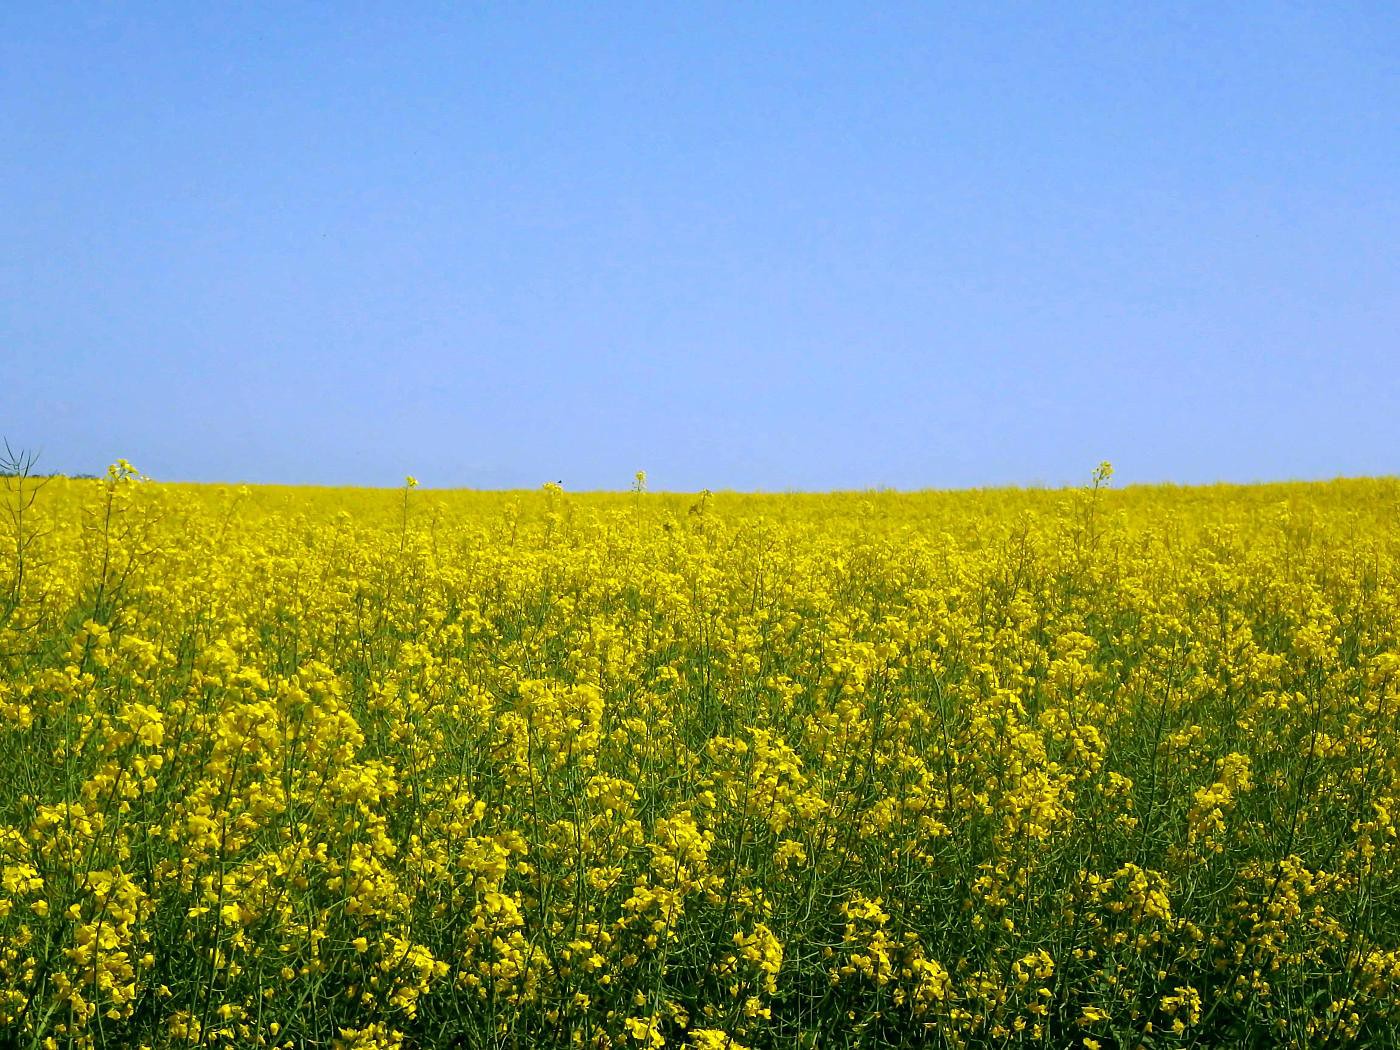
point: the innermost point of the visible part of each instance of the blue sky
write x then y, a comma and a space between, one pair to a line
758, 246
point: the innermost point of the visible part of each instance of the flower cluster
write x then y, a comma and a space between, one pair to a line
414, 769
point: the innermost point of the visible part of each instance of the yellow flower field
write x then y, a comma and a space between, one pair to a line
381, 769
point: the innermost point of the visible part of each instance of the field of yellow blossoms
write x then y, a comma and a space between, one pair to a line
411, 769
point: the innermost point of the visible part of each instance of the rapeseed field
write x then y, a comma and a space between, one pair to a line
287, 767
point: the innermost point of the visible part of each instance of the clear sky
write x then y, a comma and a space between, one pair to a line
755, 246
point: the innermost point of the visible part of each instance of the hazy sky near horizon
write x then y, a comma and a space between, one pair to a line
760, 246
